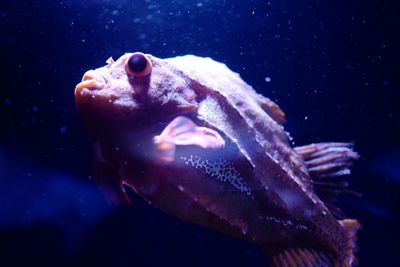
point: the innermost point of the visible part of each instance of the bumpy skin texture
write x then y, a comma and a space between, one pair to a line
256, 187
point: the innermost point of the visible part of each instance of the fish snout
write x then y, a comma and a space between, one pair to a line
91, 80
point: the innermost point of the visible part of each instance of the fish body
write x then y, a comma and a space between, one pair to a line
189, 136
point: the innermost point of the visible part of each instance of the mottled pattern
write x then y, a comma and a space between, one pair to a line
220, 169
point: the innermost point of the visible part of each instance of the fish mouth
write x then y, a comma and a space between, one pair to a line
90, 80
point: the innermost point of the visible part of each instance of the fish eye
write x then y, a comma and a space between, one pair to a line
138, 65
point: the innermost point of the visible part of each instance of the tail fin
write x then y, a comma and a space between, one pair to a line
351, 227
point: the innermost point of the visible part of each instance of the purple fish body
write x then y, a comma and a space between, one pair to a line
193, 139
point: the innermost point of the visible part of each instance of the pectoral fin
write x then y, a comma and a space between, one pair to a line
183, 132
327, 163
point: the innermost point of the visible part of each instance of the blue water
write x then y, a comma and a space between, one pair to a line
331, 65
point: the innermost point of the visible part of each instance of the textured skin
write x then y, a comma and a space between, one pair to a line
256, 187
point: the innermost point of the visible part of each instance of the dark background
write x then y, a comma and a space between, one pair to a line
334, 69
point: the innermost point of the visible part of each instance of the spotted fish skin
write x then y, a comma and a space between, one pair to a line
253, 185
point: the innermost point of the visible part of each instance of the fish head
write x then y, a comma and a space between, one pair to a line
133, 91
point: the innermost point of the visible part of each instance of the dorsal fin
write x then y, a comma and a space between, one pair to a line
327, 163
272, 109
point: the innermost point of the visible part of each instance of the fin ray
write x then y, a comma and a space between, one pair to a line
326, 163
182, 132
297, 257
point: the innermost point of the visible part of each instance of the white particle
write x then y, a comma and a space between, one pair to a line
267, 79
306, 118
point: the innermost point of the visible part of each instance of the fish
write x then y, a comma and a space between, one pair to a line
194, 140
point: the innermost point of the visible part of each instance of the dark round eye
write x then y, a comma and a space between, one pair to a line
138, 64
